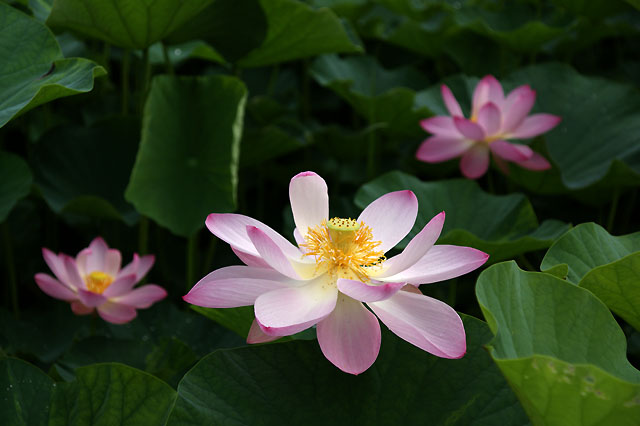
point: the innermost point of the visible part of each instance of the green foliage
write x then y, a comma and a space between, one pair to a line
15, 182
503, 226
559, 348
25, 392
229, 387
211, 106
607, 266
295, 30
73, 168
269, 31
131, 24
237, 320
188, 160
32, 69
603, 123
105, 393
379, 95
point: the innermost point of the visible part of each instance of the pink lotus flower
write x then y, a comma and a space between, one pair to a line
339, 264
494, 120
94, 280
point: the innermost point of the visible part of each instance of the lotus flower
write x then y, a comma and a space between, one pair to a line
494, 120
338, 266
94, 280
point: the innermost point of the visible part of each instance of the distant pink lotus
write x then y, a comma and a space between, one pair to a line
94, 280
339, 264
494, 120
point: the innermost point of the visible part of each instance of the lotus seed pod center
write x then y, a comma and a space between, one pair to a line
342, 232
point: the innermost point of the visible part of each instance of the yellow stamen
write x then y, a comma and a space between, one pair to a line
344, 247
98, 281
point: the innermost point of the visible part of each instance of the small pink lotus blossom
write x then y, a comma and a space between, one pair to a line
94, 280
494, 120
339, 266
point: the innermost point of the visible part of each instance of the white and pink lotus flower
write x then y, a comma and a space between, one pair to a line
494, 120
337, 268
94, 281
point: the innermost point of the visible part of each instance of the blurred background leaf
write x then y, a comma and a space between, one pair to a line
188, 159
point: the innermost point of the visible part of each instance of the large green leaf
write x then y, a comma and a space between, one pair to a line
25, 392
188, 159
85, 170
271, 131
32, 69
295, 30
503, 226
601, 128
267, 32
107, 394
264, 385
244, 19
434, 28
587, 246
560, 349
15, 182
379, 95
133, 24
43, 334
168, 360
607, 266
617, 284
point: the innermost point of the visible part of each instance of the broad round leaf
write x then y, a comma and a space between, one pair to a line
187, 163
377, 94
25, 391
559, 347
231, 27
607, 266
295, 30
588, 246
294, 383
132, 24
503, 226
105, 394
32, 70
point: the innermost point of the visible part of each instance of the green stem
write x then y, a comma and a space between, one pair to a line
208, 259
613, 209
192, 248
146, 77
167, 60
11, 269
143, 235
126, 58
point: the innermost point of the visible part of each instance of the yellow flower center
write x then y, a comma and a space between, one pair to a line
98, 281
344, 246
